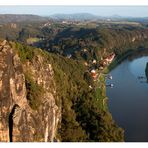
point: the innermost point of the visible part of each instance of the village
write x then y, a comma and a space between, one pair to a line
96, 70
99, 76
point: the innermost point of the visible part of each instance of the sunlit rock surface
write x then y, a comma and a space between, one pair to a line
18, 121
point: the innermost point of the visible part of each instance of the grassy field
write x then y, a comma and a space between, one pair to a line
32, 40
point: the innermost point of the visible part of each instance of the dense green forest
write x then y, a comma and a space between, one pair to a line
71, 39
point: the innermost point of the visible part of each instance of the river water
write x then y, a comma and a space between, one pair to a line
128, 99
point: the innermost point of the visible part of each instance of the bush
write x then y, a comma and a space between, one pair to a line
24, 52
34, 92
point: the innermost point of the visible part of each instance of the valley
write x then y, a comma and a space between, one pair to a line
53, 70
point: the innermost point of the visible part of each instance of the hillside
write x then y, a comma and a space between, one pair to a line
42, 92
97, 42
15, 18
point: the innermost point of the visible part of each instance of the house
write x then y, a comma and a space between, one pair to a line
90, 87
110, 58
103, 63
85, 63
94, 61
85, 50
94, 74
100, 68
93, 71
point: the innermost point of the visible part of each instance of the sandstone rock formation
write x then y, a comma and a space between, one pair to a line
18, 121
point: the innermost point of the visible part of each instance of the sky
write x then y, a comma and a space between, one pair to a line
132, 11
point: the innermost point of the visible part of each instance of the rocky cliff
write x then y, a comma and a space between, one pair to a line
24, 114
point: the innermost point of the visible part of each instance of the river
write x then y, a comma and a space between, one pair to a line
128, 99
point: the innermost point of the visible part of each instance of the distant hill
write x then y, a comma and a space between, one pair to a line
9, 18
91, 17
76, 17
138, 19
16, 18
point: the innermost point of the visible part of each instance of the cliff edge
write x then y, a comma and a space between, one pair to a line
26, 115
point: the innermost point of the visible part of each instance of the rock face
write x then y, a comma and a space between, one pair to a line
18, 121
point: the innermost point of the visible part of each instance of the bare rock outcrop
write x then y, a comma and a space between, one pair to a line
18, 121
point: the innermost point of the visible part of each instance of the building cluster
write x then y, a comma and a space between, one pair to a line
106, 61
47, 24
69, 22
103, 63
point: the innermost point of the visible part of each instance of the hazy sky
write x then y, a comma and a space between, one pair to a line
134, 11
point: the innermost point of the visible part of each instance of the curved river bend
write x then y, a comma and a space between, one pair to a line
128, 99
